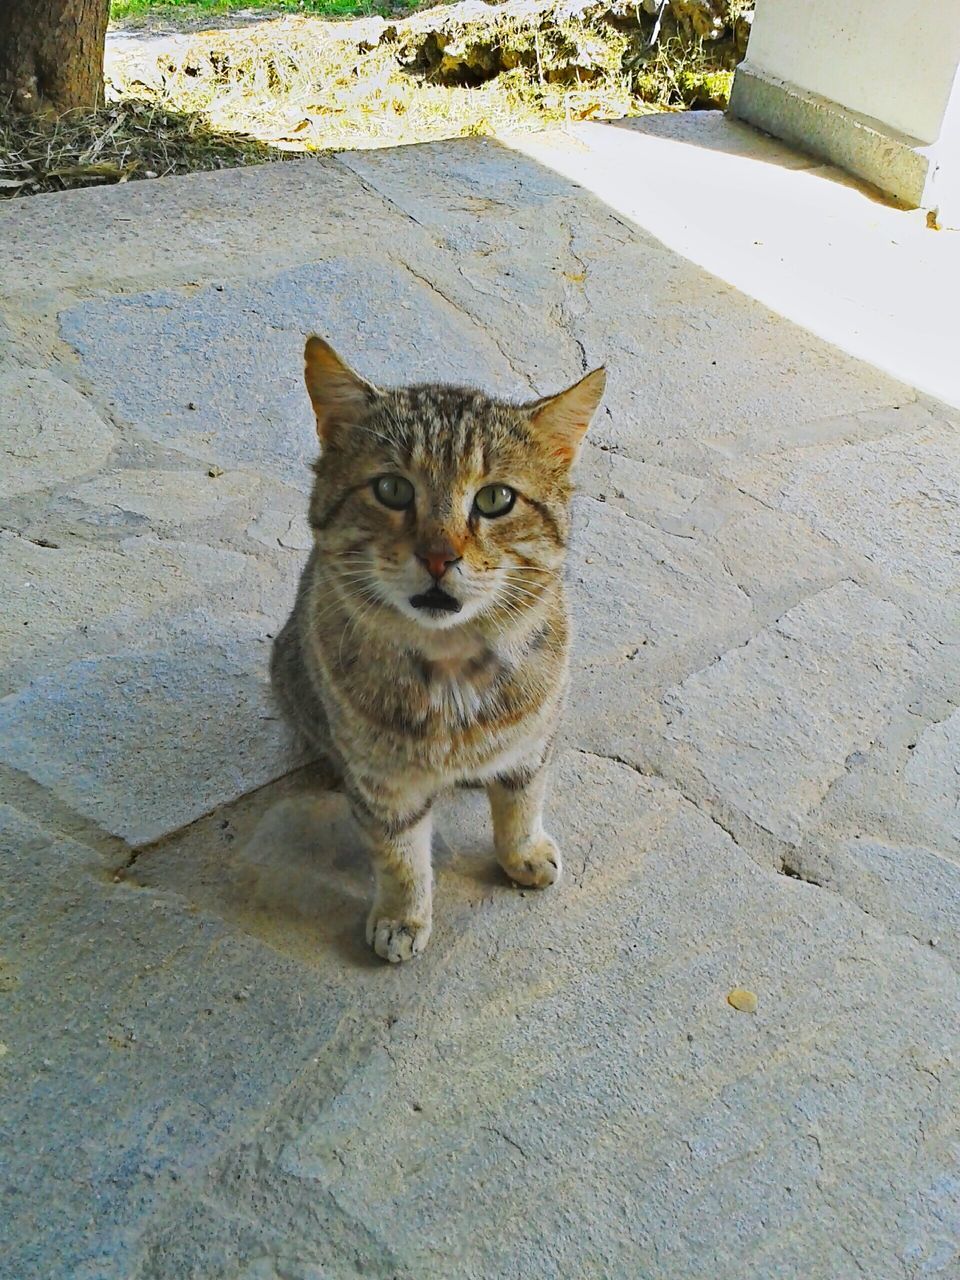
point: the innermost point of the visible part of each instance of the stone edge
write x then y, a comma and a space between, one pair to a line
896, 163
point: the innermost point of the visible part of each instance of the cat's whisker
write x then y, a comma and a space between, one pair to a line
342, 601
519, 595
377, 435
512, 610
522, 607
354, 622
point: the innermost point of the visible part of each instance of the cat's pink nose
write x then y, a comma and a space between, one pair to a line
438, 558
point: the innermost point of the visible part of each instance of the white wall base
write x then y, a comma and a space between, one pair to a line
894, 162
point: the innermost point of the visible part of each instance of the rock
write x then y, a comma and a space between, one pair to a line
669, 591
167, 497
771, 724
44, 254
484, 202
205, 1072
762, 442
646, 490
915, 889
932, 775
413, 1083
795, 561
57, 595
141, 351
51, 433
135, 1064
183, 728
907, 508
279, 529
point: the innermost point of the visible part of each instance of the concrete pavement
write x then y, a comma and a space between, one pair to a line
204, 1072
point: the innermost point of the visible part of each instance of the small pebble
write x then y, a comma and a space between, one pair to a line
743, 1000
215, 471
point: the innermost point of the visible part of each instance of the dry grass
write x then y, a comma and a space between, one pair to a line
128, 139
215, 98
305, 84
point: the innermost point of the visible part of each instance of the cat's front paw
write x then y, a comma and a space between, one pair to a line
536, 866
397, 940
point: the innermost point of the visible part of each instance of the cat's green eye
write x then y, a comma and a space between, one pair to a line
494, 500
394, 492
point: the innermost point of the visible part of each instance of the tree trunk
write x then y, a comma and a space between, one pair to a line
51, 52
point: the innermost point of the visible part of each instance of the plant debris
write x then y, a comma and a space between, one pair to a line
131, 138
743, 1000
210, 99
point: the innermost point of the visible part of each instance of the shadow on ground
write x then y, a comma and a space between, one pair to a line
285, 864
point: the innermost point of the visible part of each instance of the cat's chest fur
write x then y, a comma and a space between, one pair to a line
454, 705
449, 684
458, 686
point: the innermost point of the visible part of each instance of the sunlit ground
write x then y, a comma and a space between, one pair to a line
801, 237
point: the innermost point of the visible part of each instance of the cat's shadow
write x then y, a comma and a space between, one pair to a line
305, 872
288, 866
302, 878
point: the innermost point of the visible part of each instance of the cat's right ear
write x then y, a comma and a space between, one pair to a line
561, 421
340, 397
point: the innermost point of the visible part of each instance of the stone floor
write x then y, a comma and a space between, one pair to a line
204, 1073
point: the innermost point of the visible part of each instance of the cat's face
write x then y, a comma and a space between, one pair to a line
440, 504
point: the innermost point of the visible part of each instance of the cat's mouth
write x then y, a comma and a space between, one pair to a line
436, 600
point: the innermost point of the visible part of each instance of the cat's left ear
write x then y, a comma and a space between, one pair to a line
561, 421
340, 397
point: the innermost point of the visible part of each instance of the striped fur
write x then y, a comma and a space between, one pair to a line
408, 702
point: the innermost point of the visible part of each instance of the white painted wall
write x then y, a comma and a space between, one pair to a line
888, 59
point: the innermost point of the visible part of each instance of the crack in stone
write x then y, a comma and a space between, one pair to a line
673, 785
488, 333
852, 1256
41, 805
584, 363
565, 318
755, 497
371, 190
506, 1138
789, 866
120, 871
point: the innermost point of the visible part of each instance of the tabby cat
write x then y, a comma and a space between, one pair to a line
428, 645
